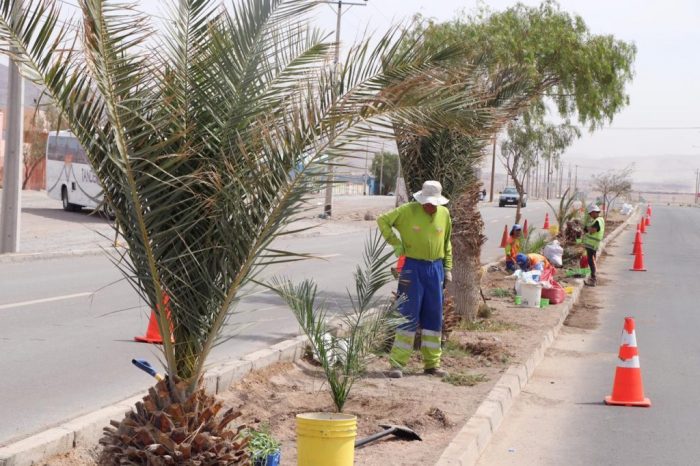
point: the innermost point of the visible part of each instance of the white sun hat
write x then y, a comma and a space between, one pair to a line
593, 208
431, 194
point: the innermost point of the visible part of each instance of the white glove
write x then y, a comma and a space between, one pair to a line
448, 276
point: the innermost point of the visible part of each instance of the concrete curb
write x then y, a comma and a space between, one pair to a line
85, 431
471, 441
35, 256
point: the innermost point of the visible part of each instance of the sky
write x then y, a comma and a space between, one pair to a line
664, 94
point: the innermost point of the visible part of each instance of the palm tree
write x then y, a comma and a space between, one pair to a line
207, 139
453, 157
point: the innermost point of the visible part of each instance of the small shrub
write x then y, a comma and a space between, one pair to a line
461, 379
484, 312
261, 444
501, 293
484, 325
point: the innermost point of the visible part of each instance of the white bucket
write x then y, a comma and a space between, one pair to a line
530, 294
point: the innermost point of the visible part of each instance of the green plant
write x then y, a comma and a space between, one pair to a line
461, 379
565, 212
261, 443
487, 325
454, 349
501, 292
345, 354
533, 242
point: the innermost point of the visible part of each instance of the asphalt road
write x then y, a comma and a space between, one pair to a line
66, 325
560, 417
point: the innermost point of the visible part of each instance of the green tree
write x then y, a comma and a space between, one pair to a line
385, 168
527, 56
527, 143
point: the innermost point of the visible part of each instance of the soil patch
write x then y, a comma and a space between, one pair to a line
584, 314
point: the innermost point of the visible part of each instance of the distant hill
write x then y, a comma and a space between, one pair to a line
31, 92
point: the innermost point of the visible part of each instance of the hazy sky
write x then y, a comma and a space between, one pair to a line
665, 92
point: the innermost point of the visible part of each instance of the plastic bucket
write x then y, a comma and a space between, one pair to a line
544, 302
325, 439
530, 294
518, 300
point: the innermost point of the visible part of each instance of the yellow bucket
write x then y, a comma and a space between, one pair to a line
326, 439
569, 289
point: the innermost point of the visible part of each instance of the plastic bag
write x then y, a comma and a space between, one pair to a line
554, 252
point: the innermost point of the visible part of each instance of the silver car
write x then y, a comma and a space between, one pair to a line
509, 196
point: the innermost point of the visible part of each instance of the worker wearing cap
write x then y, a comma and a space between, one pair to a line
533, 261
425, 228
593, 232
512, 247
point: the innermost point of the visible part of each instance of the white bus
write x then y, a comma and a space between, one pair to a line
69, 176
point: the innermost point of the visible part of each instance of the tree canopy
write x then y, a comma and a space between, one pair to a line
584, 74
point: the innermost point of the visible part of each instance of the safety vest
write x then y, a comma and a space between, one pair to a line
512, 248
592, 240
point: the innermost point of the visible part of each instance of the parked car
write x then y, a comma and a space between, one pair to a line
509, 196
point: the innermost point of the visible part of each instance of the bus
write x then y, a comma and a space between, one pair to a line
69, 176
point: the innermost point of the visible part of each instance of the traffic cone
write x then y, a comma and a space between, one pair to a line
546, 221
648, 210
627, 387
637, 248
525, 228
648, 221
504, 238
643, 225
639, 261
152, 332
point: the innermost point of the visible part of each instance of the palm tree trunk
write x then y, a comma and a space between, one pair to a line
467, 239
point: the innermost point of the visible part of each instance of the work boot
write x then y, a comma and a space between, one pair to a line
590, 282
436, 371
395, 373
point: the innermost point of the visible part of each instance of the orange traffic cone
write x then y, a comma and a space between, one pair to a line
546, 221
648, 221
504, 238
639, 261
637, 248
643, 225
525, 228
152, 332
648, 210
627, 388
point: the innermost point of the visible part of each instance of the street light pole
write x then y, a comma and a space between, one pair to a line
328, 205
11, 205
493, 168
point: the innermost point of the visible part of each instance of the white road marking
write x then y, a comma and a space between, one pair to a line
44, 300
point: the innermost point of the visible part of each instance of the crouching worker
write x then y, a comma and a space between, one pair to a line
528, 262
512, 247
425, 228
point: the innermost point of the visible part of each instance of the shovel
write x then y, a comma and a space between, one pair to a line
402, 432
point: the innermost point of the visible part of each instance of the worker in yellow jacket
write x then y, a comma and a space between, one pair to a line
425, 228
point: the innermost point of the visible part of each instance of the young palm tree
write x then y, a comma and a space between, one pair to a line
207, 137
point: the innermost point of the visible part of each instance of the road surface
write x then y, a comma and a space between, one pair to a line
66, 325
560, 417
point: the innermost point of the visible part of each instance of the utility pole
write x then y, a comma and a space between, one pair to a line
576, 178
366, 177
569, 184
697, 186
493, 168
381, 174
328, 205
11, 205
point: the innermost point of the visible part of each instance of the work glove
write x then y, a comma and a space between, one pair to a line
448, 276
